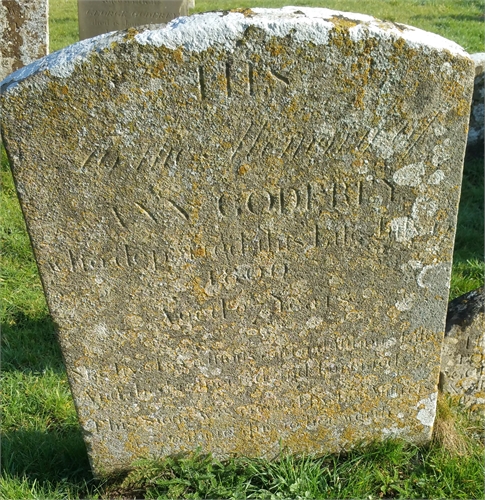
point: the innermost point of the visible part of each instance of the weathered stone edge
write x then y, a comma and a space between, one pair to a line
224, 28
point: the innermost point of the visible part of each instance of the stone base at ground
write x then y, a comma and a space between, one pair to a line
463, 355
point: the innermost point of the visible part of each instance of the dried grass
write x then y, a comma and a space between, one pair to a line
451, 431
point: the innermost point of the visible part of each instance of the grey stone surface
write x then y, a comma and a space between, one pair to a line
102, 16
24, 35
463, 356
475, 133
245, 238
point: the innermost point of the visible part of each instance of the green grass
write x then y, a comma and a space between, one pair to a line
459, 20
63, 27
392, 469
468, 263
43, 454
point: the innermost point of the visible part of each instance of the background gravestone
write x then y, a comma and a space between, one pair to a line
24, 35
245, 238
477, 115
102, 16
463, 354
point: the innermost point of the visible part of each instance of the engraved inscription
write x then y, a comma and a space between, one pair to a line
166, 209
245, 273
236, 78
123, 257
324, 234
202, 83
258, 141
146, 212
316, 198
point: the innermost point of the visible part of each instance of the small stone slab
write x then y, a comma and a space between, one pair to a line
463, 356
102, 16
24, 35
245, 238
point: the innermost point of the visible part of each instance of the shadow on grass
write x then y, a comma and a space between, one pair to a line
470, 228
468, 262
54, 463
46, 457
455, 17
30, 345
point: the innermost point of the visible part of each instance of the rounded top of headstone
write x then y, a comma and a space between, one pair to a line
314, 25
225, 28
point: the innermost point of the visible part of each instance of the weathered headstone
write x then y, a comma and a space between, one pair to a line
102, 16
463, 355
245, 238
477, 116
23, 33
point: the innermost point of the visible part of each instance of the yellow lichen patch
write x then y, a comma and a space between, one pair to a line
245, 12
349, 434
131, 33
399, 44
158, 70
200, 251
462, 105
341, 39
343, 22
243, 169
275, 47
178, 55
